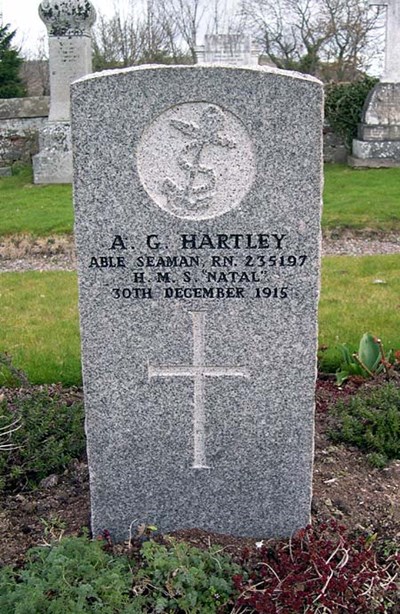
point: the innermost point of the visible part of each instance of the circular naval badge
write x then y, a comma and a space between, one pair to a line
196, 161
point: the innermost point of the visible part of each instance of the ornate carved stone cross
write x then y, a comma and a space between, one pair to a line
198, 371
392, 44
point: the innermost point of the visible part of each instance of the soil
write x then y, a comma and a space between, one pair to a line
346, 488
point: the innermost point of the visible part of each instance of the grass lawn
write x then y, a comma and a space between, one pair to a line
39, 325
361, 199
353, 199
34, 209
352, 304
39, 316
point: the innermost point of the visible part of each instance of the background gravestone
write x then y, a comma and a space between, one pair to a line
378, 142
230, 49
68, 24
197, 203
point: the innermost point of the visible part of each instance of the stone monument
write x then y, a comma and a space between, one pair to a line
230, 49
378, 142
197, 206
68, 24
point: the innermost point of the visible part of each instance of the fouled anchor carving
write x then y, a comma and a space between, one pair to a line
196, 195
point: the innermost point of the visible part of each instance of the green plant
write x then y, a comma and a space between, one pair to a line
369, 361
70, 577
371, 421
49, 436
179, 578
75, 575
344, 104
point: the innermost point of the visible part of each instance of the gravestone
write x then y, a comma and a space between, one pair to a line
231, 49
69, 25
378, 139
197, 204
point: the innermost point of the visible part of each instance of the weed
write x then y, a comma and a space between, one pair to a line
371, 421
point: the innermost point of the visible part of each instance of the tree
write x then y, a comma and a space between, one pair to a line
10, 63
308, 34
186, 16
350, 44
135, 37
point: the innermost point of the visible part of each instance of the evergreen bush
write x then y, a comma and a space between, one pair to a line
344, 104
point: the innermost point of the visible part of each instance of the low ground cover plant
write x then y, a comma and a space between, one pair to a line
50, 434
371, 421
77, 575
70, 577
320, 570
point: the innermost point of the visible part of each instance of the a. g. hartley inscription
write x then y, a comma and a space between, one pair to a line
178, 275
197, 206
192, 160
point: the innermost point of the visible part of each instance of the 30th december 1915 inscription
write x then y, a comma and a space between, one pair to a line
201, 266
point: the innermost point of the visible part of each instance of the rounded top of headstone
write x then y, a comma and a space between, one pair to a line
67, 17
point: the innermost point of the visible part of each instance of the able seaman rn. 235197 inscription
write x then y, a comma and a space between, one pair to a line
201, 266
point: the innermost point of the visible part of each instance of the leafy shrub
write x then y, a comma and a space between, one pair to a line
320, 570
344, 104
371, 421
71, 577
51, 434
180, 578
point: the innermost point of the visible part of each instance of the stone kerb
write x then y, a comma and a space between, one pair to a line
13, 108
197, 197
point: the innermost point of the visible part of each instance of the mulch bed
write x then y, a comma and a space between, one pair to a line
346, 488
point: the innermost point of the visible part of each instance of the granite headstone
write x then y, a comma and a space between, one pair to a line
197, 203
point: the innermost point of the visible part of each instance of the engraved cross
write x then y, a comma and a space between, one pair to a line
198, 371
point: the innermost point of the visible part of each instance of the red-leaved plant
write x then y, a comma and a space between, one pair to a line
321, 570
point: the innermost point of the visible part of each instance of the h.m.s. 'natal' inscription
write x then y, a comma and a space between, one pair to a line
201, 266
196, 161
